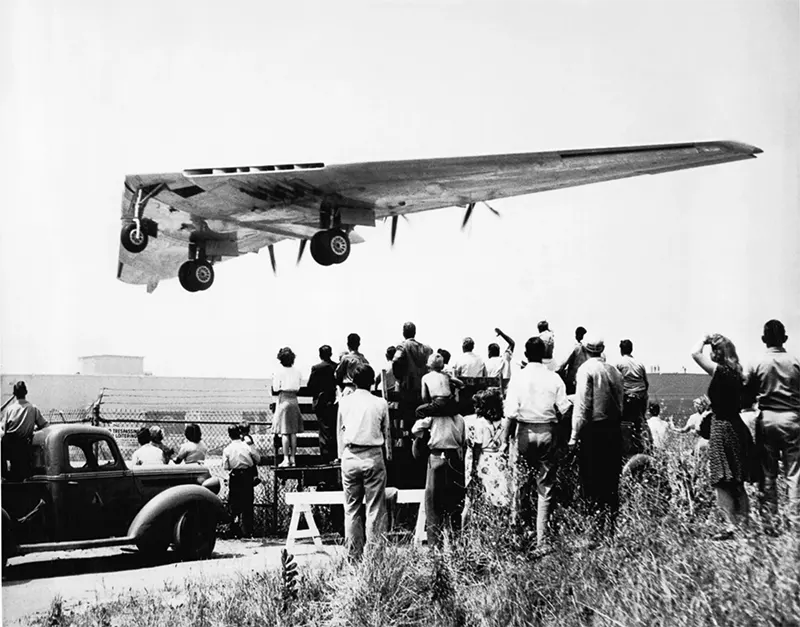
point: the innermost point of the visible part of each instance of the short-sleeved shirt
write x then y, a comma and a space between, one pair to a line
193, 452
534, 394
634, 376
776, 379
238, 455
148, 455
447, 432
286, 379
21, 418
469, 365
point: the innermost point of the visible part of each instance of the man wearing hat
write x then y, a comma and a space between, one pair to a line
596, 433
17, 424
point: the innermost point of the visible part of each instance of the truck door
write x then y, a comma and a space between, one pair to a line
100, 498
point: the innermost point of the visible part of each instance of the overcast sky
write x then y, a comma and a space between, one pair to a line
93, 91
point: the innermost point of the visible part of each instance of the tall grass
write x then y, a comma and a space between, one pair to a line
661, 568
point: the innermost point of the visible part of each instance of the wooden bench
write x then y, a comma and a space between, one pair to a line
302, 503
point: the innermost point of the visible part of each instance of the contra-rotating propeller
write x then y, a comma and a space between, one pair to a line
471, 208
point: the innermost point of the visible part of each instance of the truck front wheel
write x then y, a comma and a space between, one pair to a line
195, 533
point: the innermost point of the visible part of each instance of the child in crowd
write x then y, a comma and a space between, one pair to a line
659, 428
437, 390
194, 450
244, 431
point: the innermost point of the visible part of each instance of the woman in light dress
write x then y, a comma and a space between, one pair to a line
487, 461
287, 421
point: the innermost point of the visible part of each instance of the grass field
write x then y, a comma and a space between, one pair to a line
661, 568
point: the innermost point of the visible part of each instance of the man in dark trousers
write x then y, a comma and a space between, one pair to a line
635, 434
596, 431
409, 365
322, 387
19, 420
239, 459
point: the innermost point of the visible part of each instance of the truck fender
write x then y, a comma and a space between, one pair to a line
158, 516
10, 546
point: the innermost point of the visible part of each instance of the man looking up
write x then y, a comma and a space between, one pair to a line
239, 458
409, 364
17, 424
348, 363
596, 427
364, 435
635, 436
497, 365
534, 394
468, 364
322, 387
775, 380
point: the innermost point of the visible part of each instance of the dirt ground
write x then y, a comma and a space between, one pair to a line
32, 581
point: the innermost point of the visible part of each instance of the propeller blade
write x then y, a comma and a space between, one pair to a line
271, 249
394, 228
301, 250
467, 215
492, 209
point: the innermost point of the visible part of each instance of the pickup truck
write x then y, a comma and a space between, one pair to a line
81, 494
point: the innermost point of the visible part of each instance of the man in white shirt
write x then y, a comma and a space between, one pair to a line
364, 435
546, 335
535, 395
596, 425
239, 458
500, 365
468, 364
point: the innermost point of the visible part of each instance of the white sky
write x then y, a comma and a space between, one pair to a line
93, 91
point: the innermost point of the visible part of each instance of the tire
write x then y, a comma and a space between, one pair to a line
132, 242
319, 248
195, 533
330, 247
196, 276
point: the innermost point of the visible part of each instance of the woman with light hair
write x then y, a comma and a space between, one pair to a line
729, 442
287, 420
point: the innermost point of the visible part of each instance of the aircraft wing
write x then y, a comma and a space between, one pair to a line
229, 211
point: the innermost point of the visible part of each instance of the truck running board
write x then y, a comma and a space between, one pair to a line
76, 544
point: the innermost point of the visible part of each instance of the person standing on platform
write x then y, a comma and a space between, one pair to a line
498, 365
348, 363
596, 433
776, 381
468, 364
635, 435
322, 388
364, 437
288, 420
239, 458
568, 370
17, 424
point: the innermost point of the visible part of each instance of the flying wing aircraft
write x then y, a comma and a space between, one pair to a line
180, 224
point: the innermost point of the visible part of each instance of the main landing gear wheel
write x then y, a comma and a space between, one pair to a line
330, 247
133, 240
196, 276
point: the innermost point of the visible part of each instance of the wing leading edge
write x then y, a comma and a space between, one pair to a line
209, 214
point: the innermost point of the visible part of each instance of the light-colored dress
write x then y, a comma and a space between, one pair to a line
287, 419
492, 468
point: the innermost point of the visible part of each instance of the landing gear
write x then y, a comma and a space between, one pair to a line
196, 275
330, 247
133, 238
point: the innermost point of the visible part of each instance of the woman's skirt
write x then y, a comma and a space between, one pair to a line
730, 448
287, 419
